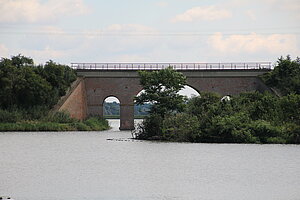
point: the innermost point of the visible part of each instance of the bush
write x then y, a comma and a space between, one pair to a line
150, 128
80, 126
231, 129
292, 133
59, 117
180, 127
10, 116
97, 124
265, 130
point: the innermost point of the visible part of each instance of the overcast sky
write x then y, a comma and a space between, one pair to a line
150, 30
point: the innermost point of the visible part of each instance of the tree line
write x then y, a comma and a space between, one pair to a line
250, 117
24, 85
29, 91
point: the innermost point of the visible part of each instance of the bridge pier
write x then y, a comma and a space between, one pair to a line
95, 110
126, 117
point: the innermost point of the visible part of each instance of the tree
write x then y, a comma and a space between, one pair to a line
59, 76
24, 86
161, 89
285, 76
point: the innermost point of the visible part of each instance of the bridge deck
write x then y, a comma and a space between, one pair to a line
176, 66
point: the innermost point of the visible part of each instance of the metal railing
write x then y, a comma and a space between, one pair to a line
176, 66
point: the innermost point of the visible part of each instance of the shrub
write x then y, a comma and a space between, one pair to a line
231, 128
59, 117
80, 126
264, 130
180, 127
150, 128
96, 123
292, 133
10, 116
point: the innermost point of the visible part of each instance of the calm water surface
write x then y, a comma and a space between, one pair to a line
85, 165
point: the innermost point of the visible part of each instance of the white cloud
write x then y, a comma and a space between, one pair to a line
277, 44
35, 11
206, 13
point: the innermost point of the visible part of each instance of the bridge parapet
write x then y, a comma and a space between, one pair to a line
176, 66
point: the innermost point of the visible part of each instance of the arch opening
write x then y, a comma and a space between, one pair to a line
111, 108
189, 92
140, 111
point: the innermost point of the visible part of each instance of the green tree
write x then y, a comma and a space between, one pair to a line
29, 88
59, 76
285, 76
161, 90
21, 61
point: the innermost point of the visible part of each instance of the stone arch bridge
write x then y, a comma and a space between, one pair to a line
97, 81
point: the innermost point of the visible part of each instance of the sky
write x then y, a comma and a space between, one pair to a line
67, 31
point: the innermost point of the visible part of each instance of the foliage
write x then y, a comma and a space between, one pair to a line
24, 85
285, 76
151, 128
59, 117
10, 116
56, 122
180, 127
59, 76
248, 118
161, 90
96, 123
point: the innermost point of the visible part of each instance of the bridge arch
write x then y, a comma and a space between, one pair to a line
95, 84
111, 106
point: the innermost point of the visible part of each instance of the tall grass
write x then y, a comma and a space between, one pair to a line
54, 121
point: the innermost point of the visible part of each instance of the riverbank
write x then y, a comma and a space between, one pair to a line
91, 124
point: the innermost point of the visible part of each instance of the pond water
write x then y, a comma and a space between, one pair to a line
108, 165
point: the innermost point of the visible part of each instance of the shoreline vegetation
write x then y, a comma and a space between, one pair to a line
28, 92
251, 117
91, 124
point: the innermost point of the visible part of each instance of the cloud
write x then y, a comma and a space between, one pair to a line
277, 44
32, 11
205, 13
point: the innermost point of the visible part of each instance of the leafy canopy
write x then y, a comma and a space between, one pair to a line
285, 76
161, 89
24, 85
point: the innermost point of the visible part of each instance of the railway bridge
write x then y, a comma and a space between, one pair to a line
97, 81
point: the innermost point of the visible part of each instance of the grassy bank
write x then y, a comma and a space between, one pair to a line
59, 121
